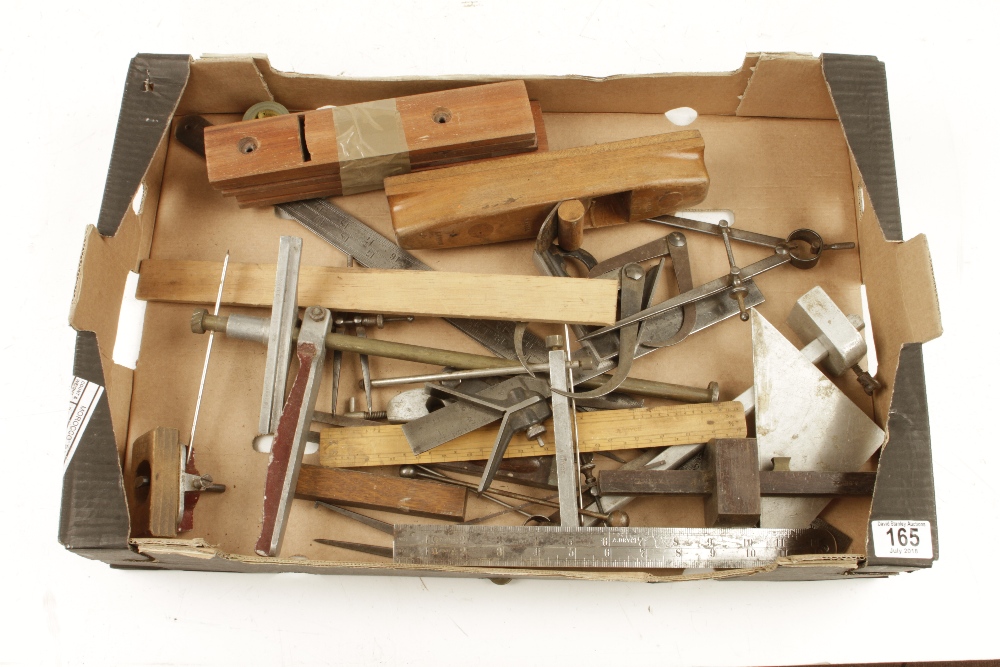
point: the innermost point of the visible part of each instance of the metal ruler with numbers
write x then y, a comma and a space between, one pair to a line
560, 547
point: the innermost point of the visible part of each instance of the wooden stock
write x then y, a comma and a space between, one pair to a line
508, 198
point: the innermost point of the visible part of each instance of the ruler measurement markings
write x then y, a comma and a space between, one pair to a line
519, 546
387, 445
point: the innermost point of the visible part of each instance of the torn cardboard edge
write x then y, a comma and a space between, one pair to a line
139, 157
748, 90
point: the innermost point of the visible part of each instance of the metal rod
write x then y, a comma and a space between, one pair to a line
509, 494
485, 495
576, 426
566, 461
208, 355
487, 517
722, 284
372, 522
203, 321
459, 375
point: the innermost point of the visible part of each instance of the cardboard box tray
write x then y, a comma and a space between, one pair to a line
791, 141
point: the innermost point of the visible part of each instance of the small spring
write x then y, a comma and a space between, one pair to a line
378, 414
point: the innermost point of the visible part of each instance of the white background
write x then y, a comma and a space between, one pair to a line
64, 69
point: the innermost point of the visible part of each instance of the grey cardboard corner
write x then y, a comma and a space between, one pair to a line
153, 87
861, 96
905, 483
93, 520
904, 487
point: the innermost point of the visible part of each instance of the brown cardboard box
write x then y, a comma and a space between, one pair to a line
792, 141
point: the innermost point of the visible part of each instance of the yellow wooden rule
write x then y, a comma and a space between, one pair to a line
600, 431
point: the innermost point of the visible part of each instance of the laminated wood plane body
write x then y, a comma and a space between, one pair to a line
507, 199
350, 149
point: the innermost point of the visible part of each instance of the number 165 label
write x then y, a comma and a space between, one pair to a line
902, 539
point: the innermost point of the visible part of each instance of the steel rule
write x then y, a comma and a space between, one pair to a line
567, 547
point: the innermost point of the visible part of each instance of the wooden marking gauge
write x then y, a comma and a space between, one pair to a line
162, 485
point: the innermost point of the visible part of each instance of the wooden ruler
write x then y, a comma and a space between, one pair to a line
605, 430
424, 293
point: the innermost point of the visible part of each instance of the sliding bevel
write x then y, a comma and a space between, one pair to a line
520, 407
641, 548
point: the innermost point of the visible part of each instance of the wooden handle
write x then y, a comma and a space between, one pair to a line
571, 219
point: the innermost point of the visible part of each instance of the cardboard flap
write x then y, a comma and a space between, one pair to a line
100, 282
902, 298
97, 299
917, 275
224, 84
93, 513
716, 93
787, 86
